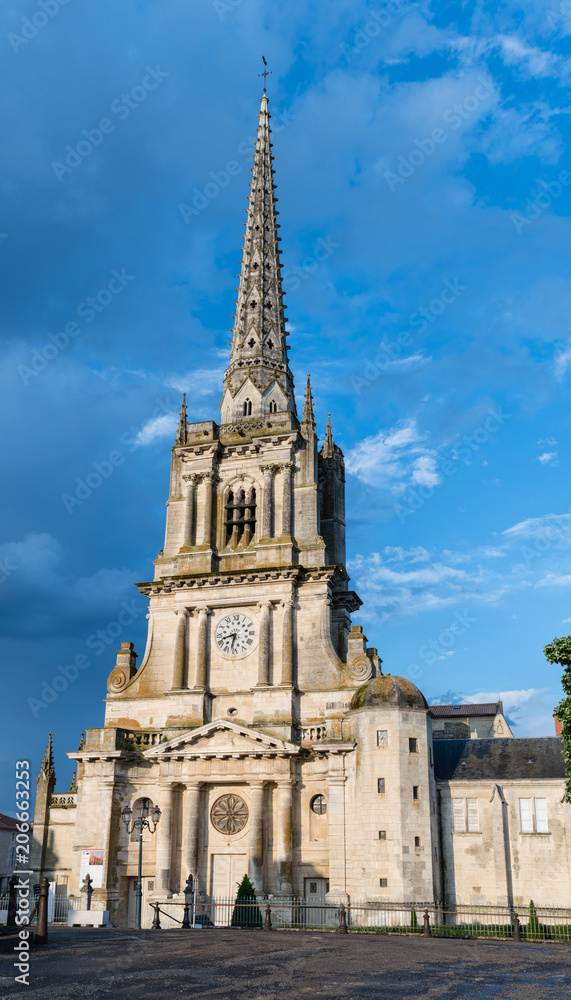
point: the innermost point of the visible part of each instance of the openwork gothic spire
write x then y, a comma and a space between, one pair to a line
259, 349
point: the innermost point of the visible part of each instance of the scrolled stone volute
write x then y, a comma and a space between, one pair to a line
389, 692
125, 668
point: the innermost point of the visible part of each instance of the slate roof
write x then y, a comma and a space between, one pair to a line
462, 711
7, 822
499, 759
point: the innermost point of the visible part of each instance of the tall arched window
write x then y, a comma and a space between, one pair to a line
247, 408
273, 406
240, 517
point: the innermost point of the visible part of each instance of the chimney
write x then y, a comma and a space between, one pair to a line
558, 726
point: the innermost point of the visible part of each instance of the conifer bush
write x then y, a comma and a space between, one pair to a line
246, 914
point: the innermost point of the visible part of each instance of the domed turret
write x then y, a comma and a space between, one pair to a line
389, 692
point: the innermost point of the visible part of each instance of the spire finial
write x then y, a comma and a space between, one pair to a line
266, 72
181, 434
327, 450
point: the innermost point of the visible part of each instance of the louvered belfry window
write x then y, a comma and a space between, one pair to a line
240, 517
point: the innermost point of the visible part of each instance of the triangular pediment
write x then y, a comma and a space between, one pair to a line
223, 738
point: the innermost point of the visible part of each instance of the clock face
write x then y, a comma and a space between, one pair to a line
235, 634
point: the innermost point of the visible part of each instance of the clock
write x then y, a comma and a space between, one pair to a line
235, 635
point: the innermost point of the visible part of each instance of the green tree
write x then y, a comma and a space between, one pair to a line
413, 921
246, 914
559, 651
533, 928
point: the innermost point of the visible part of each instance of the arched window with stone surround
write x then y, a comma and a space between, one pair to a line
240, 517
273, 406
247, 408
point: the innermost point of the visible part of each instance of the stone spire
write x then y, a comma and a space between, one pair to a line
259, 349
47, 768
308, 419
328, 448
181, 434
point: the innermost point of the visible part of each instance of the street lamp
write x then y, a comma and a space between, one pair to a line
139, 824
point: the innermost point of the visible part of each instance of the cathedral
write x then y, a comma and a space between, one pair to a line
259, 720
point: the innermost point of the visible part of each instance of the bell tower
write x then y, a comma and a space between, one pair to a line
249, 608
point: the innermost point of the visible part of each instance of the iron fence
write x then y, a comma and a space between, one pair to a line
366, 916
58, 907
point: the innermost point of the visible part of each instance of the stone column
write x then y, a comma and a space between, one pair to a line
164, 840
202, 646
287, 473
256, 836
264, 643
336, 827
189, 510
268, 502
180, 650
285, 789
287, 642
208, 485
190, 831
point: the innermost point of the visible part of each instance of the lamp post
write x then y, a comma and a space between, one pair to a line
142, 820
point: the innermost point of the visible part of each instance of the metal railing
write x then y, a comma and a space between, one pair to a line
58, 907
428, 919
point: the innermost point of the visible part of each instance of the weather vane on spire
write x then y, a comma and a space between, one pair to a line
265, 73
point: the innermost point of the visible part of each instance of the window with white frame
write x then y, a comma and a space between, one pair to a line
465, 816
533, 815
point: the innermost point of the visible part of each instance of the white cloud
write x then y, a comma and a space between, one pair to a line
535, 61
202, 382
562, 362
424, 471
554, 526
157, 427
555, 580
411, 362
390, 458
548, 458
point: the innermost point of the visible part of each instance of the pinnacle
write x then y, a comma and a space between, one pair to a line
181, 434
327, 450
308, 417
47, 768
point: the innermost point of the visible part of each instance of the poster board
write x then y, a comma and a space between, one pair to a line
92, 863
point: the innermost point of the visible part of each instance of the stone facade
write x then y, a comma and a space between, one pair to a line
259, 720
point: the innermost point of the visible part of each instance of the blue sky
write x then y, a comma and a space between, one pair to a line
422, 151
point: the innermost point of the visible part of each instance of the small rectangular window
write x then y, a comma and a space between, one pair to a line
415, 792
473, 815
526, 815
458, 816
412, 744
382, 738
11, 857
381, 786
383, 882
382, 834
541, 816
417, 841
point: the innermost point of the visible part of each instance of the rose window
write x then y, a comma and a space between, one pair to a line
229, 814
